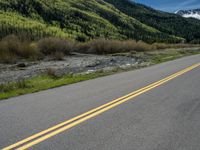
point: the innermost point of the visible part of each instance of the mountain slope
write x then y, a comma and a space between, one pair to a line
195, 13
76, 19
165, 22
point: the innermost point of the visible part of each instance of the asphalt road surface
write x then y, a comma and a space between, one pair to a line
162, 112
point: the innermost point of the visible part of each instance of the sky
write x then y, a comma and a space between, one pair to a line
171, 5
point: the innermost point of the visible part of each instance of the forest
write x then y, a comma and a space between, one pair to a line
83, 20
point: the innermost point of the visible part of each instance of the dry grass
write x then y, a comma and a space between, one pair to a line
103, 46
58, 56
28, 50
12, 49
51, 72
49, 46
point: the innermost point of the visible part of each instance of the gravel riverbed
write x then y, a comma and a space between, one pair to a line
76, 63
84, 63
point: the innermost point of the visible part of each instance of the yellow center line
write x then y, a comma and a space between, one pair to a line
46, 134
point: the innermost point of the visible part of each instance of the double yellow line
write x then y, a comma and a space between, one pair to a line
48, 133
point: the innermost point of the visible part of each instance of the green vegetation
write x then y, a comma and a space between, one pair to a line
82, 20
42, 83
169, 23
160, 57
50, 80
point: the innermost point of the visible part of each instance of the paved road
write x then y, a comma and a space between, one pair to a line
166, 117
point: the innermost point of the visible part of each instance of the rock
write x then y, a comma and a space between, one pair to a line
90, 71
94, 64
112, 60
21, 65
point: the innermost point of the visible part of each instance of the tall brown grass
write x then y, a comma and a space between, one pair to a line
103, 46
12, 49
49, 46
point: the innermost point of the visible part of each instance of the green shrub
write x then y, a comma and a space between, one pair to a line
103, 46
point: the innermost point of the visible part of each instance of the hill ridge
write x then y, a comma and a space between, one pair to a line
82, 20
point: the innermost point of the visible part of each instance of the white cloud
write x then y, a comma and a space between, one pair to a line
187, 4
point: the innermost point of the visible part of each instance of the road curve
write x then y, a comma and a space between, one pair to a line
163, 114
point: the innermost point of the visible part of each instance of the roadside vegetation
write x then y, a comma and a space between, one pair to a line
12, 49
50, 79
43, 82
104, 46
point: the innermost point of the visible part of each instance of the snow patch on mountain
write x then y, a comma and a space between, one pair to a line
197, 16
189, 13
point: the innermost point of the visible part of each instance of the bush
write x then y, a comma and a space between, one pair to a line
58, 56
51, 72
158, 46
7, 57
103, 46
141, 47
28, 50
51, 46
11, 48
